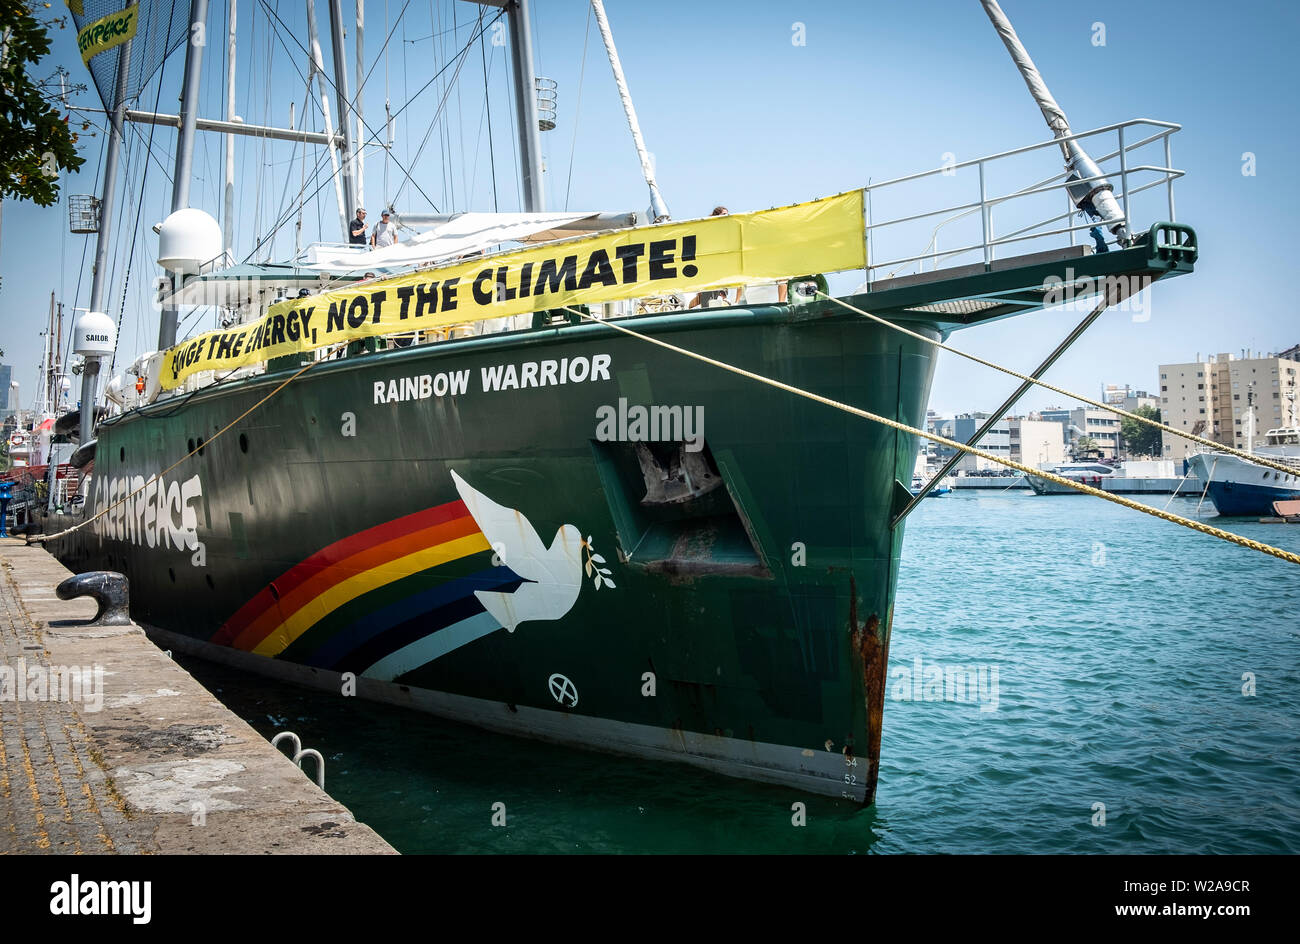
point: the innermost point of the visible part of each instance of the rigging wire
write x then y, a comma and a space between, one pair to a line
406, 95
227, 226
294, 158
409, 102
374, 136
383, 50
514, 135
487, 98
1289, 556
444, 130
150, 152
387, 98
321, 160
129, 184
439, 46
42, 538
448, 191
85, 246
1109, 408
431, 35
259, 180
577, 109
460, 124
411, 99
284, 192
135, 232
466, 192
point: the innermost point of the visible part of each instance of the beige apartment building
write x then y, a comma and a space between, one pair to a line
1101, 426
1036, 442
1210, 398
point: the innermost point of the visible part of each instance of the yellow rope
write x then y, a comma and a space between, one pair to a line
1237, 539
1109, 408
41, 538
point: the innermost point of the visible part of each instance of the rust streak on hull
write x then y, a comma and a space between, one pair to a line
871, 653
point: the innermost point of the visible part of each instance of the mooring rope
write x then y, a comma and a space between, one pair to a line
41, 538
1228, 536
1109, 408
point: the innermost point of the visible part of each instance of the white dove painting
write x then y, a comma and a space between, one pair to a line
553, 575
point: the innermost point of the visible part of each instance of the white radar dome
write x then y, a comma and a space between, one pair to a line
187, 239
94, 334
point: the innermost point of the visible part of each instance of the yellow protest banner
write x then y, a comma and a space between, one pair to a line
107, 32
822, 236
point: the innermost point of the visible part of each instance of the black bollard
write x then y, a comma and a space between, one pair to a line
107, 588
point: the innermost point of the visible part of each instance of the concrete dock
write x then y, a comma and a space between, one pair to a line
108, 746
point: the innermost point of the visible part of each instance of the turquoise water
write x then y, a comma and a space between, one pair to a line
1119, 641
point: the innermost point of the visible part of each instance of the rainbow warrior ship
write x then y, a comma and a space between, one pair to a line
438, 474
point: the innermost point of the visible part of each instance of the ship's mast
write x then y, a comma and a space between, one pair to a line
185, 149
189, 112
58, 357
356, 103
90, 375
228, 210
341, 93
525, 80
50, 370
317, 71
530, 138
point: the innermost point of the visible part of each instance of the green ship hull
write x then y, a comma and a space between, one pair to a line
479, 528
743, 626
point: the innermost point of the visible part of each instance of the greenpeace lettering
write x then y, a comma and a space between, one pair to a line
107, 32
770, 245
157, 513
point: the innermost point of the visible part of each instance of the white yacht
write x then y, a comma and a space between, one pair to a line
1239, 487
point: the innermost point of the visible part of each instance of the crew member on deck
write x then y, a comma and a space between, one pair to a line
357, 231
703, 299
385, 233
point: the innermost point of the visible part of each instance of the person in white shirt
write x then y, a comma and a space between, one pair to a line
385, 233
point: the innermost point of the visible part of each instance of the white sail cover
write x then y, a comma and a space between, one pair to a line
461, 235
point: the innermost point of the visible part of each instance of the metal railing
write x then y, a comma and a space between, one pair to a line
1117, 163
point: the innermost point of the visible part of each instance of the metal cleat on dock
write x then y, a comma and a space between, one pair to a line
107, 588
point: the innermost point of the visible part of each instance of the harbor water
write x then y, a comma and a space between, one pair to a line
1066, 676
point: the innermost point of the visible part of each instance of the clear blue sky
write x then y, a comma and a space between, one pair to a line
737, 114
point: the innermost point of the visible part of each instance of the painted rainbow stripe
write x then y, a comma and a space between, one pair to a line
371, 600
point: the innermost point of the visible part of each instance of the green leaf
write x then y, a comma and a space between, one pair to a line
31, 121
